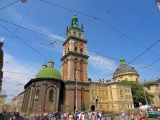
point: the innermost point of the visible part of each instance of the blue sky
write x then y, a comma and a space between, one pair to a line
138, 20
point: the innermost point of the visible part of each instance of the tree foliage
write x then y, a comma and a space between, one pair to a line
138, 93
83, 107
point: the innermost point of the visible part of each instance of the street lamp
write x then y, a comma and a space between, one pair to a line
23, 1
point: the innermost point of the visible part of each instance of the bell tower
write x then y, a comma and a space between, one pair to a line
75, 68
75, 58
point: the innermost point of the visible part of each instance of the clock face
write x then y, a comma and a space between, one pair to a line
23, 1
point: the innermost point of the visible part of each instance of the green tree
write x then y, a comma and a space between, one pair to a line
137, 93
83, 107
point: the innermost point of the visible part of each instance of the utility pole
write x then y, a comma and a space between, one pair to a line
76, 87
144, 93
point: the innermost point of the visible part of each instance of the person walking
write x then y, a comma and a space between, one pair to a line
90, 115
50, 116
112, 117
123, 115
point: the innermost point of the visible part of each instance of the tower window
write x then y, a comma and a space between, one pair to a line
81, 50
68, 49
79, 35
74, 33
75, 49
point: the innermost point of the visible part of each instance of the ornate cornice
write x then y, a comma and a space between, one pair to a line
77, 39
75, 54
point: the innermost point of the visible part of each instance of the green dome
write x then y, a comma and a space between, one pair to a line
49, 73
75, 18
50, 61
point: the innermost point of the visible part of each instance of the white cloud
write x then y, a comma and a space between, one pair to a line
14, 14
101, 63
16, 74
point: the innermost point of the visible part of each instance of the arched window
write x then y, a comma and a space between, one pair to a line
75, 46
82, 96
37, 94
66, 71
81, 50
81, 70
50, 95
75, 68
75, 49
81, 47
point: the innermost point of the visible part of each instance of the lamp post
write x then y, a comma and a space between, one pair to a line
76, 87
144, 93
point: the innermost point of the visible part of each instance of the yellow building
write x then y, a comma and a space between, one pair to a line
153, 88
13, 105
19, 102
2, 100
112, 96
16, 103
125, 72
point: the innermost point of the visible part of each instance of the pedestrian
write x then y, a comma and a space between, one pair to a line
14, 117
123, 115
112, 117
64, 116
90, 115
50, 116
132, 117
93, 116
10, 118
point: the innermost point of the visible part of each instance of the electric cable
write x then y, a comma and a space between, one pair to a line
91, 52
21, 22
9, 5
102, 22
32, 30
136, 57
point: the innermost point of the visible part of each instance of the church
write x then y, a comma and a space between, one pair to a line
52, 91
71, 90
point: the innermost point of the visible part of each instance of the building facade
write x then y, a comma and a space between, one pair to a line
71, 90
42, 94
75, 68
2, 100
125, 72
153, 89
112, 96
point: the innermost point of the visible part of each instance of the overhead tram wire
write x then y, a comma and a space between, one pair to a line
9, 4
149, 64
136, 57
103, 23
70, 10
23, 41
19, 73
26, 44
11, 38
21, 22
57, 47
60, 67
32, 30
129, 31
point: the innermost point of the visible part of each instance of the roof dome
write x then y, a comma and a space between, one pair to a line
49, 73
123, 68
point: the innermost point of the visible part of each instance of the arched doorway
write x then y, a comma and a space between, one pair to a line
92, 108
